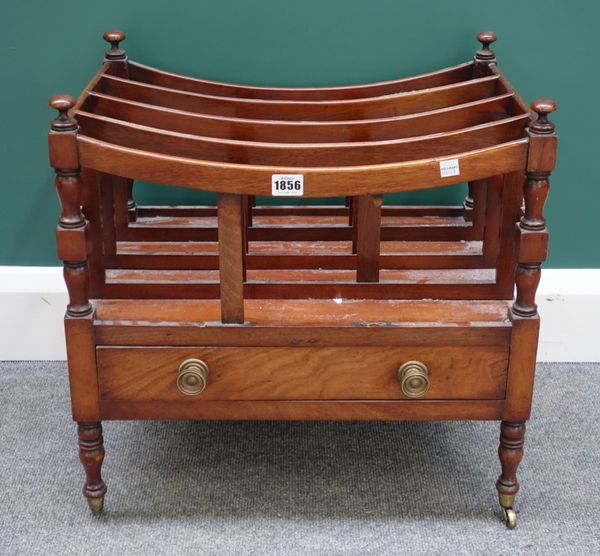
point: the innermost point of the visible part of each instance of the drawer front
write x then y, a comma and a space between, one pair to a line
303, 373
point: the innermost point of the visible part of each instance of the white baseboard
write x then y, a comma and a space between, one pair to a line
33, 300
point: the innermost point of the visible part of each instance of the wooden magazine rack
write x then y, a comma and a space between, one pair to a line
362, 310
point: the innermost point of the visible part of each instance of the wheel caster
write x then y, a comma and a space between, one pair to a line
510, 518
96, 505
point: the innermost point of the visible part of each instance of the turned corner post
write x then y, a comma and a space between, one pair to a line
115, 56
72, 227
485, 55
532, 230
91, 455
532, 249
510, 452
116, 59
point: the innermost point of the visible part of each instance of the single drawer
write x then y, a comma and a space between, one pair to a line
301, 373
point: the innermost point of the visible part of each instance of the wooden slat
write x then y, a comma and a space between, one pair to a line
479, 188
408, 276
83, 377
318, 182
301, 248
154, 76
314, 290
146, 211
298, 284
231, 257
296, 154
107, 215
521, 370
309, 312
121, 188
136, 333
512, 197
354, 109
493, 215
505, 85
333, 261
147, 231
92, 210
422, 123
305, 410
300, 220
368, 234
284, 254
90, 86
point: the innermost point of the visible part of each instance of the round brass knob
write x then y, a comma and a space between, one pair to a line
414, 379
192, 377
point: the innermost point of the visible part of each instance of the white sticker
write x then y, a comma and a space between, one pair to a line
288, 185
449, 168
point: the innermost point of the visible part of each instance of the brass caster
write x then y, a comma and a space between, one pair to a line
96, 505
510, 518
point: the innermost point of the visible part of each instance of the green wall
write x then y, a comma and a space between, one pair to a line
546, 48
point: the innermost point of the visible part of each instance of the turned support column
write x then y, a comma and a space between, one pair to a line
117, 61
510, 452
72, 227
72, 248
474, 203
91, 455
531, 253
532, 231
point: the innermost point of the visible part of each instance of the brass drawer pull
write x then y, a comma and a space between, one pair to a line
414, 379
192, 377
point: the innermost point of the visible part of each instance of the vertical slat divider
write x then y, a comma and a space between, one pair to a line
479, 200
512, 197
368, 235
107, 214
92, 211
352, 220
491, 232
230, 217
121, 201
245, 219
250, 202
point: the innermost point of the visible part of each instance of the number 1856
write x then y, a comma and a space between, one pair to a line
287, 185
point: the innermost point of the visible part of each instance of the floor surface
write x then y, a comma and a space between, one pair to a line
298, 487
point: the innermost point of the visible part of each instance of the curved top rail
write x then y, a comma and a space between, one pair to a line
153, 76
252, 179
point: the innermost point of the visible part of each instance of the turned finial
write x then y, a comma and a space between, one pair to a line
114, 37
542, 107
63, 122
484, 54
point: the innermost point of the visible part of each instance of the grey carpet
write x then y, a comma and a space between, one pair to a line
297, 488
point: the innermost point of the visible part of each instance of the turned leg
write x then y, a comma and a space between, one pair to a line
91, 454
510, 452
